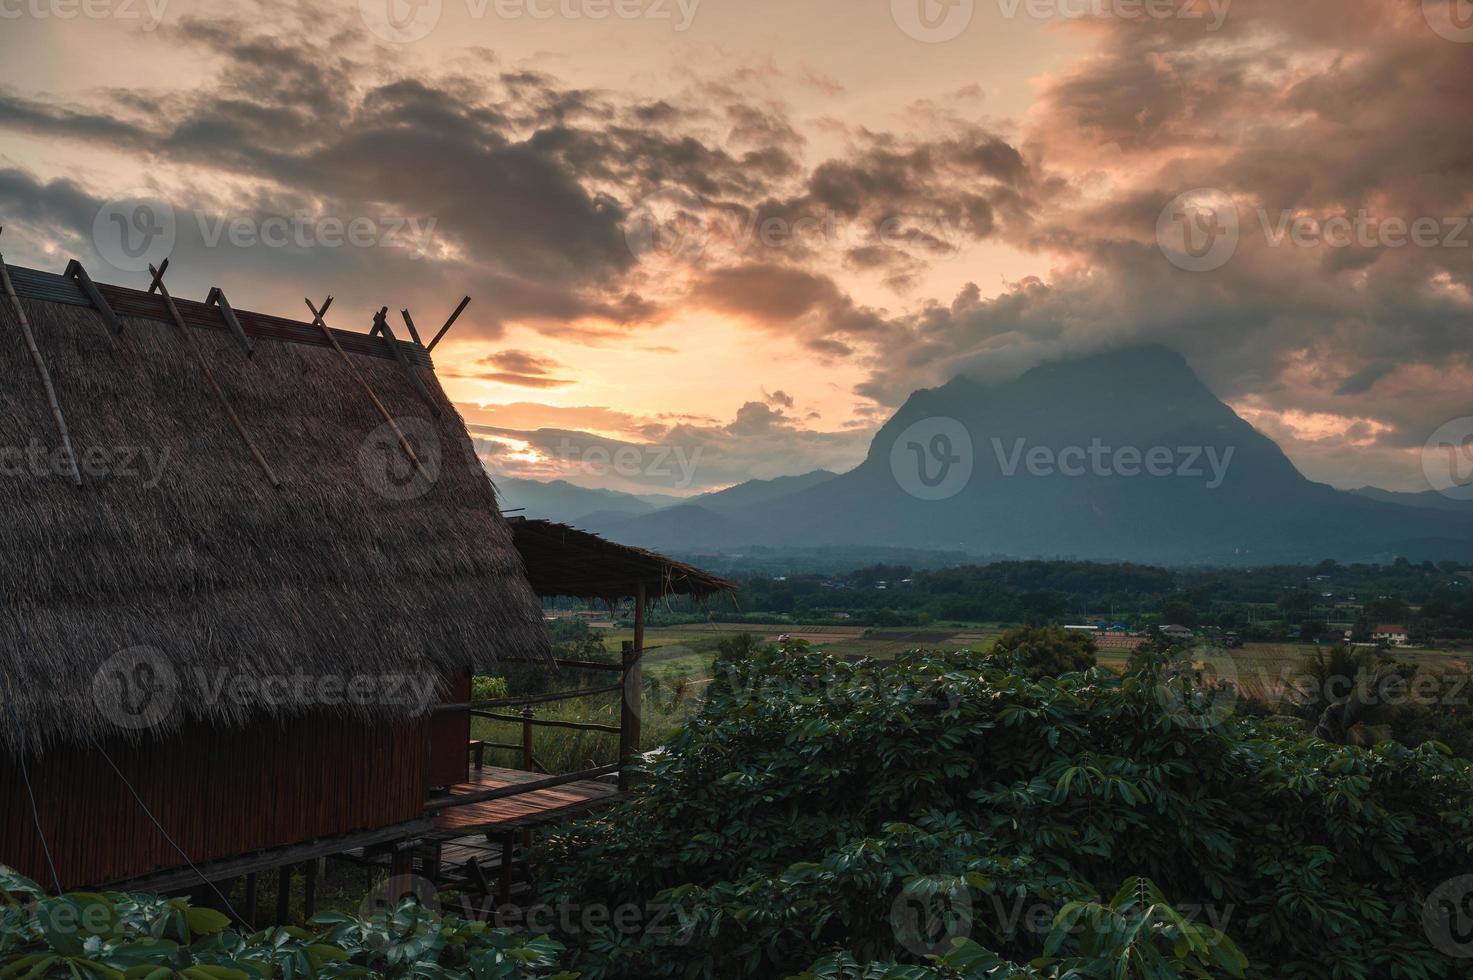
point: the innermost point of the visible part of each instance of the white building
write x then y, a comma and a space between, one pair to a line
1391, 635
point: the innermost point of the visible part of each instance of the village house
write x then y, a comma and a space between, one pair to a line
1391, 634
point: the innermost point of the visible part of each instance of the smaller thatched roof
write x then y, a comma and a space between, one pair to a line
564, 561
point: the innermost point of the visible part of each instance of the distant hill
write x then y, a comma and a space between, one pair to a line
559, 500
756, 492
1427, 499
675, 529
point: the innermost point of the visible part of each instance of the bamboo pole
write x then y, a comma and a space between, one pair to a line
209, 374
40, 362
449, 323
317, 321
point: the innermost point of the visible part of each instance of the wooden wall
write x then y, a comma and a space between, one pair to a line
218, 792
451, 732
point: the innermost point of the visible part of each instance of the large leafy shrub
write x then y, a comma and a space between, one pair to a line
815, 814
117, 935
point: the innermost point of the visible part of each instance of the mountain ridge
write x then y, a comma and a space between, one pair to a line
1122, 455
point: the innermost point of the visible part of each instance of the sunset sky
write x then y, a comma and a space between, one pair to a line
750, 228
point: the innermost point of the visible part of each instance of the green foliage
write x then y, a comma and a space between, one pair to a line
862, 819
485, 688
1136, 935
113, 935
1046, 651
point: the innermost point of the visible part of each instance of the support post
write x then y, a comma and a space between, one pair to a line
252, 907
283, 894
528, 714
631, 702
503, 889
529, 758
309, 887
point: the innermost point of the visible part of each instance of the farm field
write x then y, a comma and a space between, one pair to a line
682, 655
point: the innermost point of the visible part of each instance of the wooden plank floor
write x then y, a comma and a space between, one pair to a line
516, 812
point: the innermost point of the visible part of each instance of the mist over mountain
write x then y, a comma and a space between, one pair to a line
1124, 455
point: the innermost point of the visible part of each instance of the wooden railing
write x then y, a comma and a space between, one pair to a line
630, 687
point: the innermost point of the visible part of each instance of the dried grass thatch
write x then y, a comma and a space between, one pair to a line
343, 572
563, 560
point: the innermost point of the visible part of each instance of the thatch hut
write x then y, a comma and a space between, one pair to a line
224, 639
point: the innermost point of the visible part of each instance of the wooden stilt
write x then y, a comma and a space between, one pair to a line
317, 321
503, 888
251, 902
204, 366
474, 873
309, 887
283, 894
40, 362
631, 702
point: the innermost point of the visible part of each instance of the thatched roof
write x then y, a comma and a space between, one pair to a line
348, 570
562, 560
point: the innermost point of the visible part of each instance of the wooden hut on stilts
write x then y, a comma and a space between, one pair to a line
250, 564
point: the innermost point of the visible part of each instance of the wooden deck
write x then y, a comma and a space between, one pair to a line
517, 812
